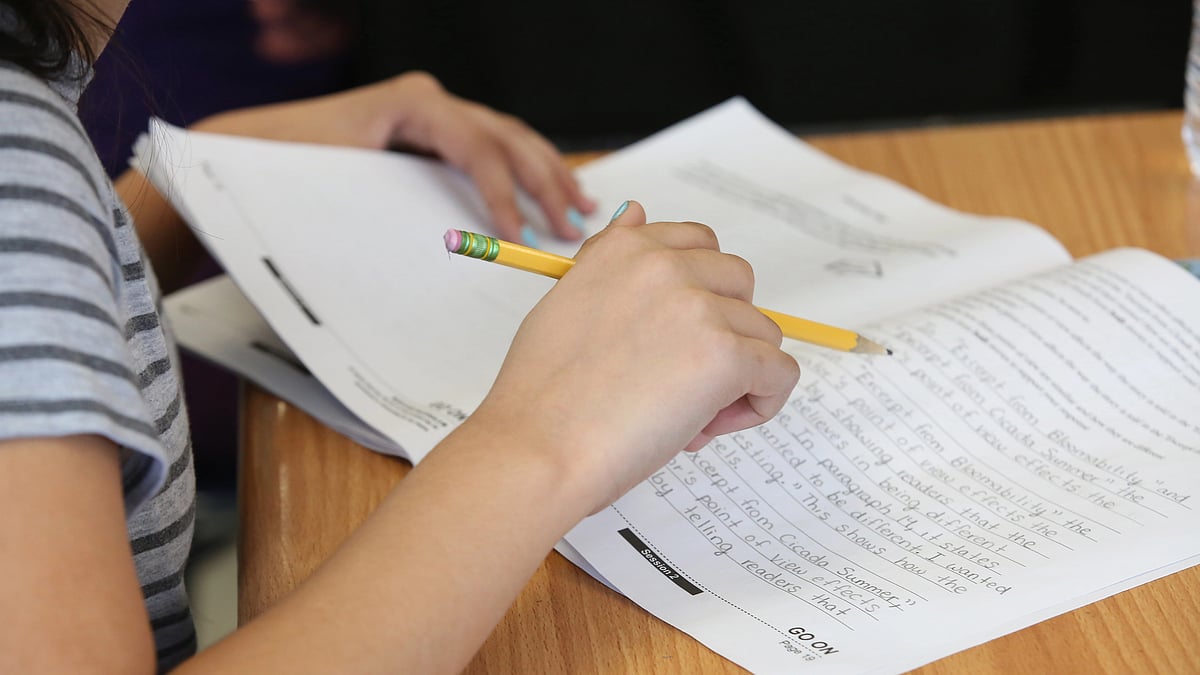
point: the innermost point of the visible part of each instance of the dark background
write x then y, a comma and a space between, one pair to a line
589, 73
598, 75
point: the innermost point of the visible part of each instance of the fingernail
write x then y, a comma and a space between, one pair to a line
529, 237
575, 218
620, 209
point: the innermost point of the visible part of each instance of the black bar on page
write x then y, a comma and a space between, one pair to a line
291, 291
281, 355
652, 558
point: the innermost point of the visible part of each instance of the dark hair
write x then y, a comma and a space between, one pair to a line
48, 32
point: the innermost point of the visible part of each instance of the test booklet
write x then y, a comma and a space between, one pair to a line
1033, 445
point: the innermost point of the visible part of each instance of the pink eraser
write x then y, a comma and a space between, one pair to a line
453, 239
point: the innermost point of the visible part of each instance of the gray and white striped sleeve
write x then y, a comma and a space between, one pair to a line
73, 359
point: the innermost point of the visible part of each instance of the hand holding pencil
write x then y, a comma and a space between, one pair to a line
649, 346
474, 245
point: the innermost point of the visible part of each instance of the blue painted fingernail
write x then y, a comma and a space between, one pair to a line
575, 218
529, 237
620, 209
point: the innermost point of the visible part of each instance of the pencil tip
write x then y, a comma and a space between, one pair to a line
889, 352
866, 346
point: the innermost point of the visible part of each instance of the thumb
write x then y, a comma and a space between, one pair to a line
628, 214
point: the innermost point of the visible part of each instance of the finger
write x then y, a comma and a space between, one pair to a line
579, 199
741, 414
745, 320
574, 191
629, 213
724, 274
770, 375
536, 174
566, 177
562, 174
489, 169
542, 171
682, 235
702, 439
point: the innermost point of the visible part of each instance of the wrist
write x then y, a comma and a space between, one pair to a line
528, 451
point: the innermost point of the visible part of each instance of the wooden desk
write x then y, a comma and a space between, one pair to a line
1095, 183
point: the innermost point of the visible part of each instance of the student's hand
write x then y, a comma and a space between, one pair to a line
648, 346
413, 111
497, 150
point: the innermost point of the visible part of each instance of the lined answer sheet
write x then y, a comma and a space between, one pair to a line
1029, 449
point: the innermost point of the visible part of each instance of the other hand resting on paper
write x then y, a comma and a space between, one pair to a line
499, 152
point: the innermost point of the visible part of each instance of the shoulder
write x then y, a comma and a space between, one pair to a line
43, 146
50, 178
81, 349
57, 225
31, 104
54, 195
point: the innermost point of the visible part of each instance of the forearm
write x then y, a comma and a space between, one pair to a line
364, 117
421, 585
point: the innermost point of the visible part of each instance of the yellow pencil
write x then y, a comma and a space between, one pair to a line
506, 253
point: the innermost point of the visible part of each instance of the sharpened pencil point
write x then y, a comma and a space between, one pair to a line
866, 346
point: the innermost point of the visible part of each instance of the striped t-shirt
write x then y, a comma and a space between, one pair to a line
82, 346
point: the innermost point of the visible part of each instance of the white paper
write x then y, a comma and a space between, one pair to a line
409, 338
828, 242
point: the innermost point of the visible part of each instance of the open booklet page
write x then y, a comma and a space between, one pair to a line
1028, 449
341, 250
213, 319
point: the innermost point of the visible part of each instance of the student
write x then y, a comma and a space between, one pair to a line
648, 347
